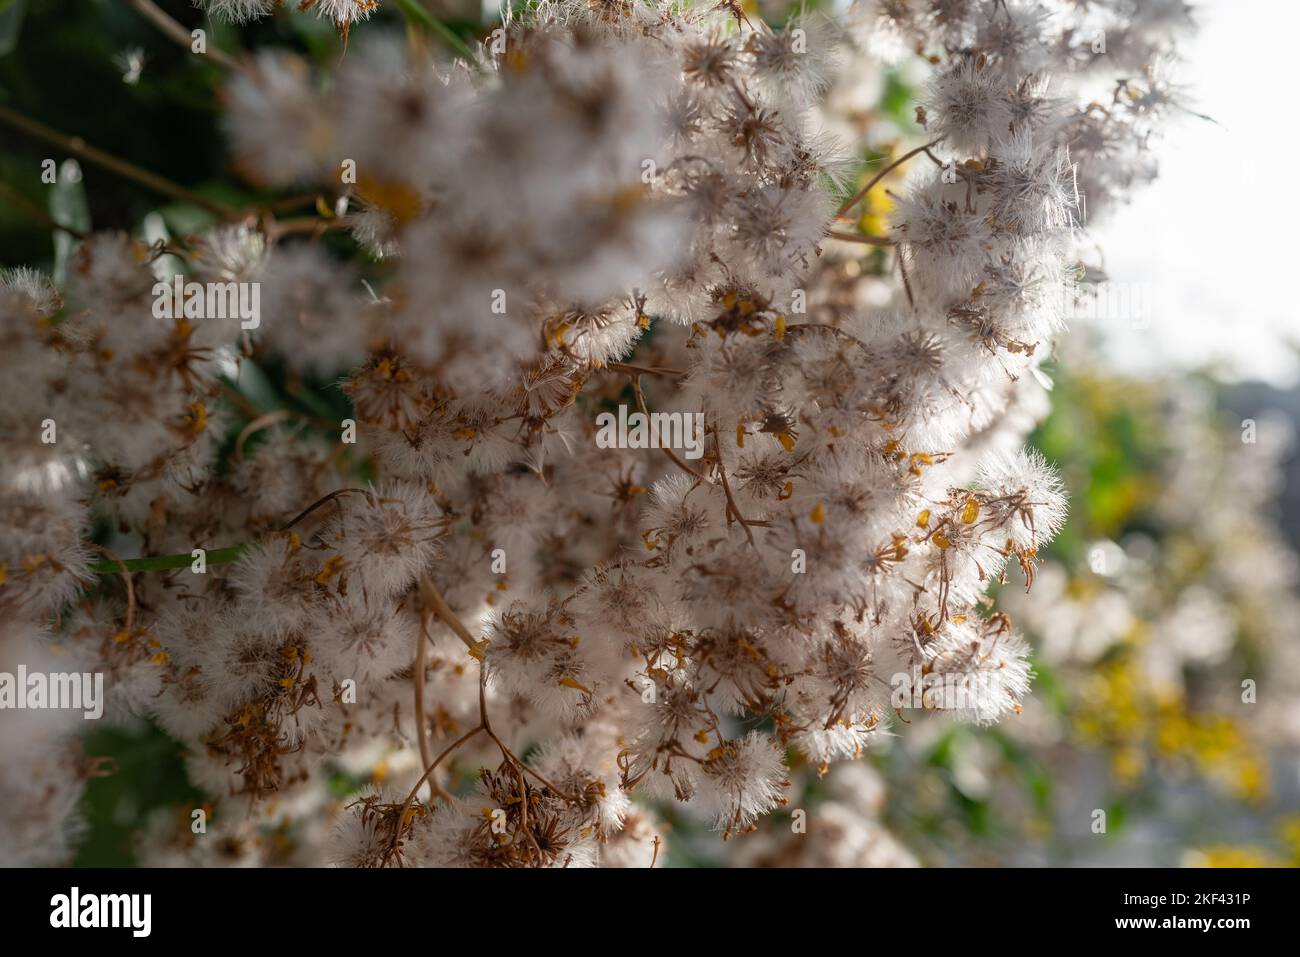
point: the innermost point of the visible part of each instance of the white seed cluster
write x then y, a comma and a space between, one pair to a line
617, 203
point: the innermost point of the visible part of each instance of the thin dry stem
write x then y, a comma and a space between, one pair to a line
83, 150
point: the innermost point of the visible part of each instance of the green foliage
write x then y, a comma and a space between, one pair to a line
1104, 436
68, 207
148, 774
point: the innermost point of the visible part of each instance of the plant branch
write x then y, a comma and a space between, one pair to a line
399, 825
83, 150
258, 424
514, 759
861, 194
30, 209
640, 401
421, 722
130, 588
314, 226
164, 22
321, 501
859, 238
733, 510
631, 369
434, 601
800, 327
414, 11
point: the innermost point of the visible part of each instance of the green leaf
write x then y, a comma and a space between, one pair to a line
898, 101
157, 563
150, 775
185, 219
256, 387
415, 13
68, 207
11, 23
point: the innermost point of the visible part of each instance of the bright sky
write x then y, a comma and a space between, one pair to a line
1217, 237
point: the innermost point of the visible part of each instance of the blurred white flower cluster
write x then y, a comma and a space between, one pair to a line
1168, 637
1173, 700
617, 203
